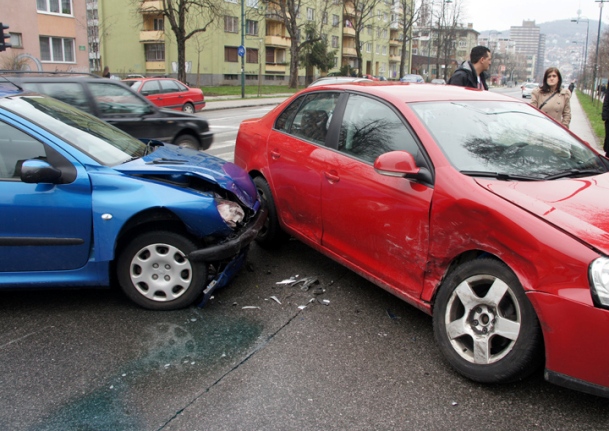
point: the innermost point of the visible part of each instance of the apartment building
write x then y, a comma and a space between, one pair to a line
530, 43
134, 38
46, 35
438, 51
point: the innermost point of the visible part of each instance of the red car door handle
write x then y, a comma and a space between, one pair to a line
275, 155
332, 177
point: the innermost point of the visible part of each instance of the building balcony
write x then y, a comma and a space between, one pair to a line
275, 68
395, 58
349, 52
155, 66
394, 42
349, 10
151, 6
152, 36
349, 31
278, 41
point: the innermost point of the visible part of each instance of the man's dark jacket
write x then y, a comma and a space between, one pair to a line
465, 76
605, 117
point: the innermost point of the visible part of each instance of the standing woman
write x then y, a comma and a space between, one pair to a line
552, 99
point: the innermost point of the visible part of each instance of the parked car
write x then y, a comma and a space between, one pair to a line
337, 80
412, 78
168, 93
474, 207
528, 88
114, 102
438, 81
82, 202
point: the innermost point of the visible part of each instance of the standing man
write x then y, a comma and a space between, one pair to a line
471, 73
605, 117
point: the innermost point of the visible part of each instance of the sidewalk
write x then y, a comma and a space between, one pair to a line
229, 102
580, 124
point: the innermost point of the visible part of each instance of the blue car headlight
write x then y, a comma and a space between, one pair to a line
231, 212
599, 281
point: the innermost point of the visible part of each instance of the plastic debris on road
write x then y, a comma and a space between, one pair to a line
274, 298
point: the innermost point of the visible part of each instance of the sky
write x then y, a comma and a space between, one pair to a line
501, 14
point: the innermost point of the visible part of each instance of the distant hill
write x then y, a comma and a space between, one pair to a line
560, 33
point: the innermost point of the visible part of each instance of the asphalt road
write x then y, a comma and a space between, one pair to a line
342, 355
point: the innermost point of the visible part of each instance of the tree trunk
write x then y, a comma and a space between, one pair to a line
294, 64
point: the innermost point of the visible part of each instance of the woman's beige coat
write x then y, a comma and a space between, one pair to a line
558, 107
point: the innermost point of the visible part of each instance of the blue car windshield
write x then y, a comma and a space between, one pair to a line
104, 143
510, 139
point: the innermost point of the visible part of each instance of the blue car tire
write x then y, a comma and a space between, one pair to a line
154, 271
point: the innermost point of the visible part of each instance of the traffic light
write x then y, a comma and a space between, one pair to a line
3, 37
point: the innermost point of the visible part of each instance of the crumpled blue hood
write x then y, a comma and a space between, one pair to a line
175, 161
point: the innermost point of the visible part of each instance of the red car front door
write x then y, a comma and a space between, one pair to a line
378, 223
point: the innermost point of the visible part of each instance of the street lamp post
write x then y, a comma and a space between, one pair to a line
243, 47
429, 39
586, 48
598, 41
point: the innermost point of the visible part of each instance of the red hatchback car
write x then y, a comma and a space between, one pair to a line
168, 93
472, 206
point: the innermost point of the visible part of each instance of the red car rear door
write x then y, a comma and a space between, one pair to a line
296, 160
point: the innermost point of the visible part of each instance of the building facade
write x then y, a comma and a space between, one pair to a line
46, 35
134, 38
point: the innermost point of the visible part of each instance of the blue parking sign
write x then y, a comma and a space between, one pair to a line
241, 51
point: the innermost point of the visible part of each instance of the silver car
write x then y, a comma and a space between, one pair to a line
528, 88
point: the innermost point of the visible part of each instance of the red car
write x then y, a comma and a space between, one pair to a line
472, 206
168, 93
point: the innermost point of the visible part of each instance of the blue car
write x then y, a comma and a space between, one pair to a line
83, 203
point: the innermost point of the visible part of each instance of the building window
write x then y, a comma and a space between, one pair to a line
158, 24
16, 40
324, 20
231, 1
369, 30
368, 47
56, 49
230, 54
231, 24
251, 55
384, 50
154, 51
335, 20
252, 3
251, 28
310, 14
63, 7
334, 41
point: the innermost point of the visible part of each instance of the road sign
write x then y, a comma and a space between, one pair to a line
241, 51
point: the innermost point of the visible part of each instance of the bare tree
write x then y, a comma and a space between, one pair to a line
292, 12
361, 14
410, 15
448, 18
14, 61
186, 19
